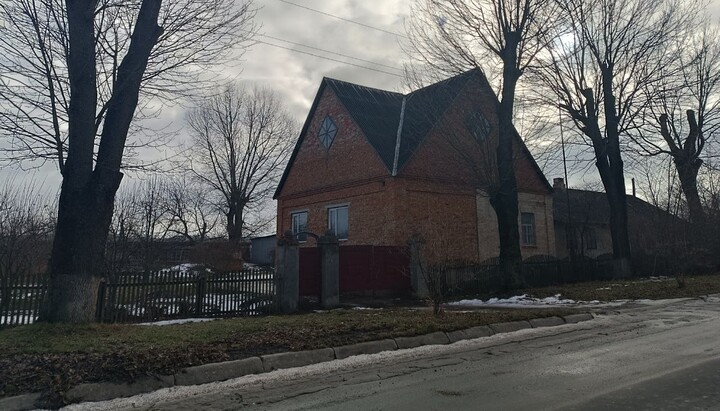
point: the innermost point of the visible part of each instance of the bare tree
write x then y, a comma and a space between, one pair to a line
599, 64
35, 88
191, 212
242, 139
455, 35
26, 221
686, 107
151, 227
120, 241
74, 74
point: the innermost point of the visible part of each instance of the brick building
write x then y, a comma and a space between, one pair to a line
376, 167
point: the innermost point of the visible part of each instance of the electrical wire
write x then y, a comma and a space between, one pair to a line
329, 58
343, 19
329, 52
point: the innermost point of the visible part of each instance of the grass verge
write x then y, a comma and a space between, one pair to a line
52, 358
635, 289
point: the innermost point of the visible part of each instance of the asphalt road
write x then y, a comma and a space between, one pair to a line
655, 357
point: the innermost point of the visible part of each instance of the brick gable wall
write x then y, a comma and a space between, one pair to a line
434, 194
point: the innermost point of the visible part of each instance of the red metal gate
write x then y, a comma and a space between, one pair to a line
363, 269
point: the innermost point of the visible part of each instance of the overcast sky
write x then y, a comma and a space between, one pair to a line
285, 57
296, 76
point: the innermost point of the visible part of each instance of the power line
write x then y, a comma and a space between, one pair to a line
344, 19
331, 52
330, 58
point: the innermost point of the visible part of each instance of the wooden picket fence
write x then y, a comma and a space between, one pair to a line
132, 298
177, 295
21, 299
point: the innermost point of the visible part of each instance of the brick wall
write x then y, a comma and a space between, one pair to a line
433, 194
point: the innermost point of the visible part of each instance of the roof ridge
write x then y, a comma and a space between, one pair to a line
365, 87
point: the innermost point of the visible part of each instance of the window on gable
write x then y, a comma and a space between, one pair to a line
327, 132
478, 125
299, 225
527, 224
338, 222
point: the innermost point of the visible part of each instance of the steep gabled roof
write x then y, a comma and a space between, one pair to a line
376, 112
380, 115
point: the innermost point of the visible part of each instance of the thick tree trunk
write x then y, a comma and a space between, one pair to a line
87, 195
610, 167
235, 221
688, 172
505, 198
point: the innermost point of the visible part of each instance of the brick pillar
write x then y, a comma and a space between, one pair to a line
329, 270
287, 273
417, 279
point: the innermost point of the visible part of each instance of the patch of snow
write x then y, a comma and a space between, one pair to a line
14, 318
522, 300
180, 321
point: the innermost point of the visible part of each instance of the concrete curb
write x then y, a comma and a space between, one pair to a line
546, 322
576, 318
105, 390
470, 333
220, 371
296, 359
510, 326
207, 373
436, 338
19, 402
370, 347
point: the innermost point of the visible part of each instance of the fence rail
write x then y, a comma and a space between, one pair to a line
152, 297
175, 295
21, 299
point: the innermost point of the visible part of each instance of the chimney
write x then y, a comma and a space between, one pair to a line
559, 183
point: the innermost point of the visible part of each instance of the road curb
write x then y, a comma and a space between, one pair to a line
509, 327
103, 391
370, 347
222, 371
296, 359
546, 322
470, 333
19, 402
436, 338
576, 318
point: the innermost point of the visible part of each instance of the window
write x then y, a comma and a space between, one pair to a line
478, 125
338, 222
527, 223
590, 239
299, 225
327, 132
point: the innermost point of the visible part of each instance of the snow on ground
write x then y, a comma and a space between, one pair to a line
180, 321
521, 300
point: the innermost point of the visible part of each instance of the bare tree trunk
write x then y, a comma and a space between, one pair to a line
688, 170
505, 198
87, 196
610, 167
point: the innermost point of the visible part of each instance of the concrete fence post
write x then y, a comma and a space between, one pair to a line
329, 270
417, 279
287, 275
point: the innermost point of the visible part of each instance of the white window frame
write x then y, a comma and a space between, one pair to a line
527, 231
296, 230
332, 213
